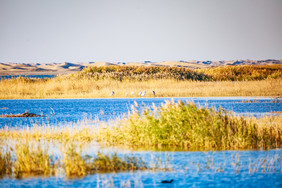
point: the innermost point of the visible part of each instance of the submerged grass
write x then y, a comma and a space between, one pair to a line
187, 126
5, 163
74, 163
104, 163
33, 160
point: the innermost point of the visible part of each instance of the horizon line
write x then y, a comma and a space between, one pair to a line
145, 61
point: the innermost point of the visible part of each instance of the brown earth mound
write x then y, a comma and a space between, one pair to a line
26, 114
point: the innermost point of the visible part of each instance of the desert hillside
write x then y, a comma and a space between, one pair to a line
66, 67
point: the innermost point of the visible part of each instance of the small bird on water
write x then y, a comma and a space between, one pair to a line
165, 181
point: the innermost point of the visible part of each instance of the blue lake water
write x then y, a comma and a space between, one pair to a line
26, 76
205, 169
188, 169
64, 111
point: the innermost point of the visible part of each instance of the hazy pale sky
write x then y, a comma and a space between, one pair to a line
137, 30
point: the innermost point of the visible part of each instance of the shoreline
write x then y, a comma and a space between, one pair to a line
124, 98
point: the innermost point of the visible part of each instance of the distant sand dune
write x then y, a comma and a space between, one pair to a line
179, 64
4, 66
67, 67
101, 63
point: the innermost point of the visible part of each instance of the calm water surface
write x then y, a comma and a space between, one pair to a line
67, 111
26, 76
188, 169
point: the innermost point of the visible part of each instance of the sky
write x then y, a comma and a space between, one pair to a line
45, 31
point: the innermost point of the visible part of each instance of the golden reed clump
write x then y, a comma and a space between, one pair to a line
33, 160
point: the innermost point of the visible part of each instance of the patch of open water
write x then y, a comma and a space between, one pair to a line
26, 76
67, 111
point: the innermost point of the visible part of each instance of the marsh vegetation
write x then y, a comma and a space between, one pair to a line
99, 82
33, 159
177, 126
190, 127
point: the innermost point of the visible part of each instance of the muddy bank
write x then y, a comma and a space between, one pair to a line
26, 114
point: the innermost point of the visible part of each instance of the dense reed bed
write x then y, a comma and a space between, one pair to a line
65, 87
186, 126
140, 73
243, 72
222, 73
32, 159
128, 81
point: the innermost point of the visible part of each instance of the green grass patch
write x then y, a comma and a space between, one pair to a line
186, 126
